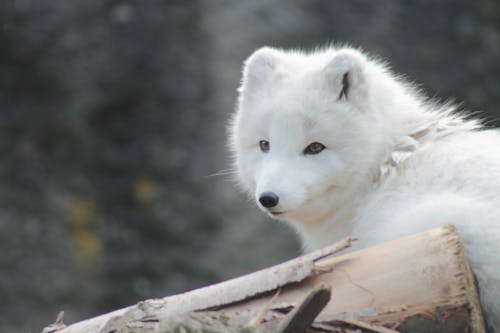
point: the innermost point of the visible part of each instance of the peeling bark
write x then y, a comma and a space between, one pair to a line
419, 283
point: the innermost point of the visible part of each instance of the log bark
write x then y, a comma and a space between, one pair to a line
418, 283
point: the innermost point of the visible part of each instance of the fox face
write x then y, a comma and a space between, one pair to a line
302, 133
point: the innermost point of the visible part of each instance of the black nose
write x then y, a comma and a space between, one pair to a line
269, 199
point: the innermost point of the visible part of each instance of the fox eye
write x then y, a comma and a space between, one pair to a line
314, 148
264, 145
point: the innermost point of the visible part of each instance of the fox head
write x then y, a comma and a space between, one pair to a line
304, 133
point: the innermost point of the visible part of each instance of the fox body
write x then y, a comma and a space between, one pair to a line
337, 145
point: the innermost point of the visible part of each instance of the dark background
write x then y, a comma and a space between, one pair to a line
112, 119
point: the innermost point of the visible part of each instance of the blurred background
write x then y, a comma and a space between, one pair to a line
112, 121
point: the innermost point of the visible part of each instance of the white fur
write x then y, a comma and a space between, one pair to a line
394, 163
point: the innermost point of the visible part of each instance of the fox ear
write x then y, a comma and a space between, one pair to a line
259, 67
346, 73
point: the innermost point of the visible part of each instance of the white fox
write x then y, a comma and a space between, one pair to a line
334, 143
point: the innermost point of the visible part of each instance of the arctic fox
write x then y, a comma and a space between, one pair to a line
336, 144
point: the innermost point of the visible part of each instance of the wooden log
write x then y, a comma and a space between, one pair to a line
418, 283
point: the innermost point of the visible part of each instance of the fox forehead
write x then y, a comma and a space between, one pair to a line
286, 128
312, 103
287, 115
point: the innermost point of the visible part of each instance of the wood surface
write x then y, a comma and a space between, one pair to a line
418, 283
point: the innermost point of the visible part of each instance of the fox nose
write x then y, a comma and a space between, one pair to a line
269, 199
